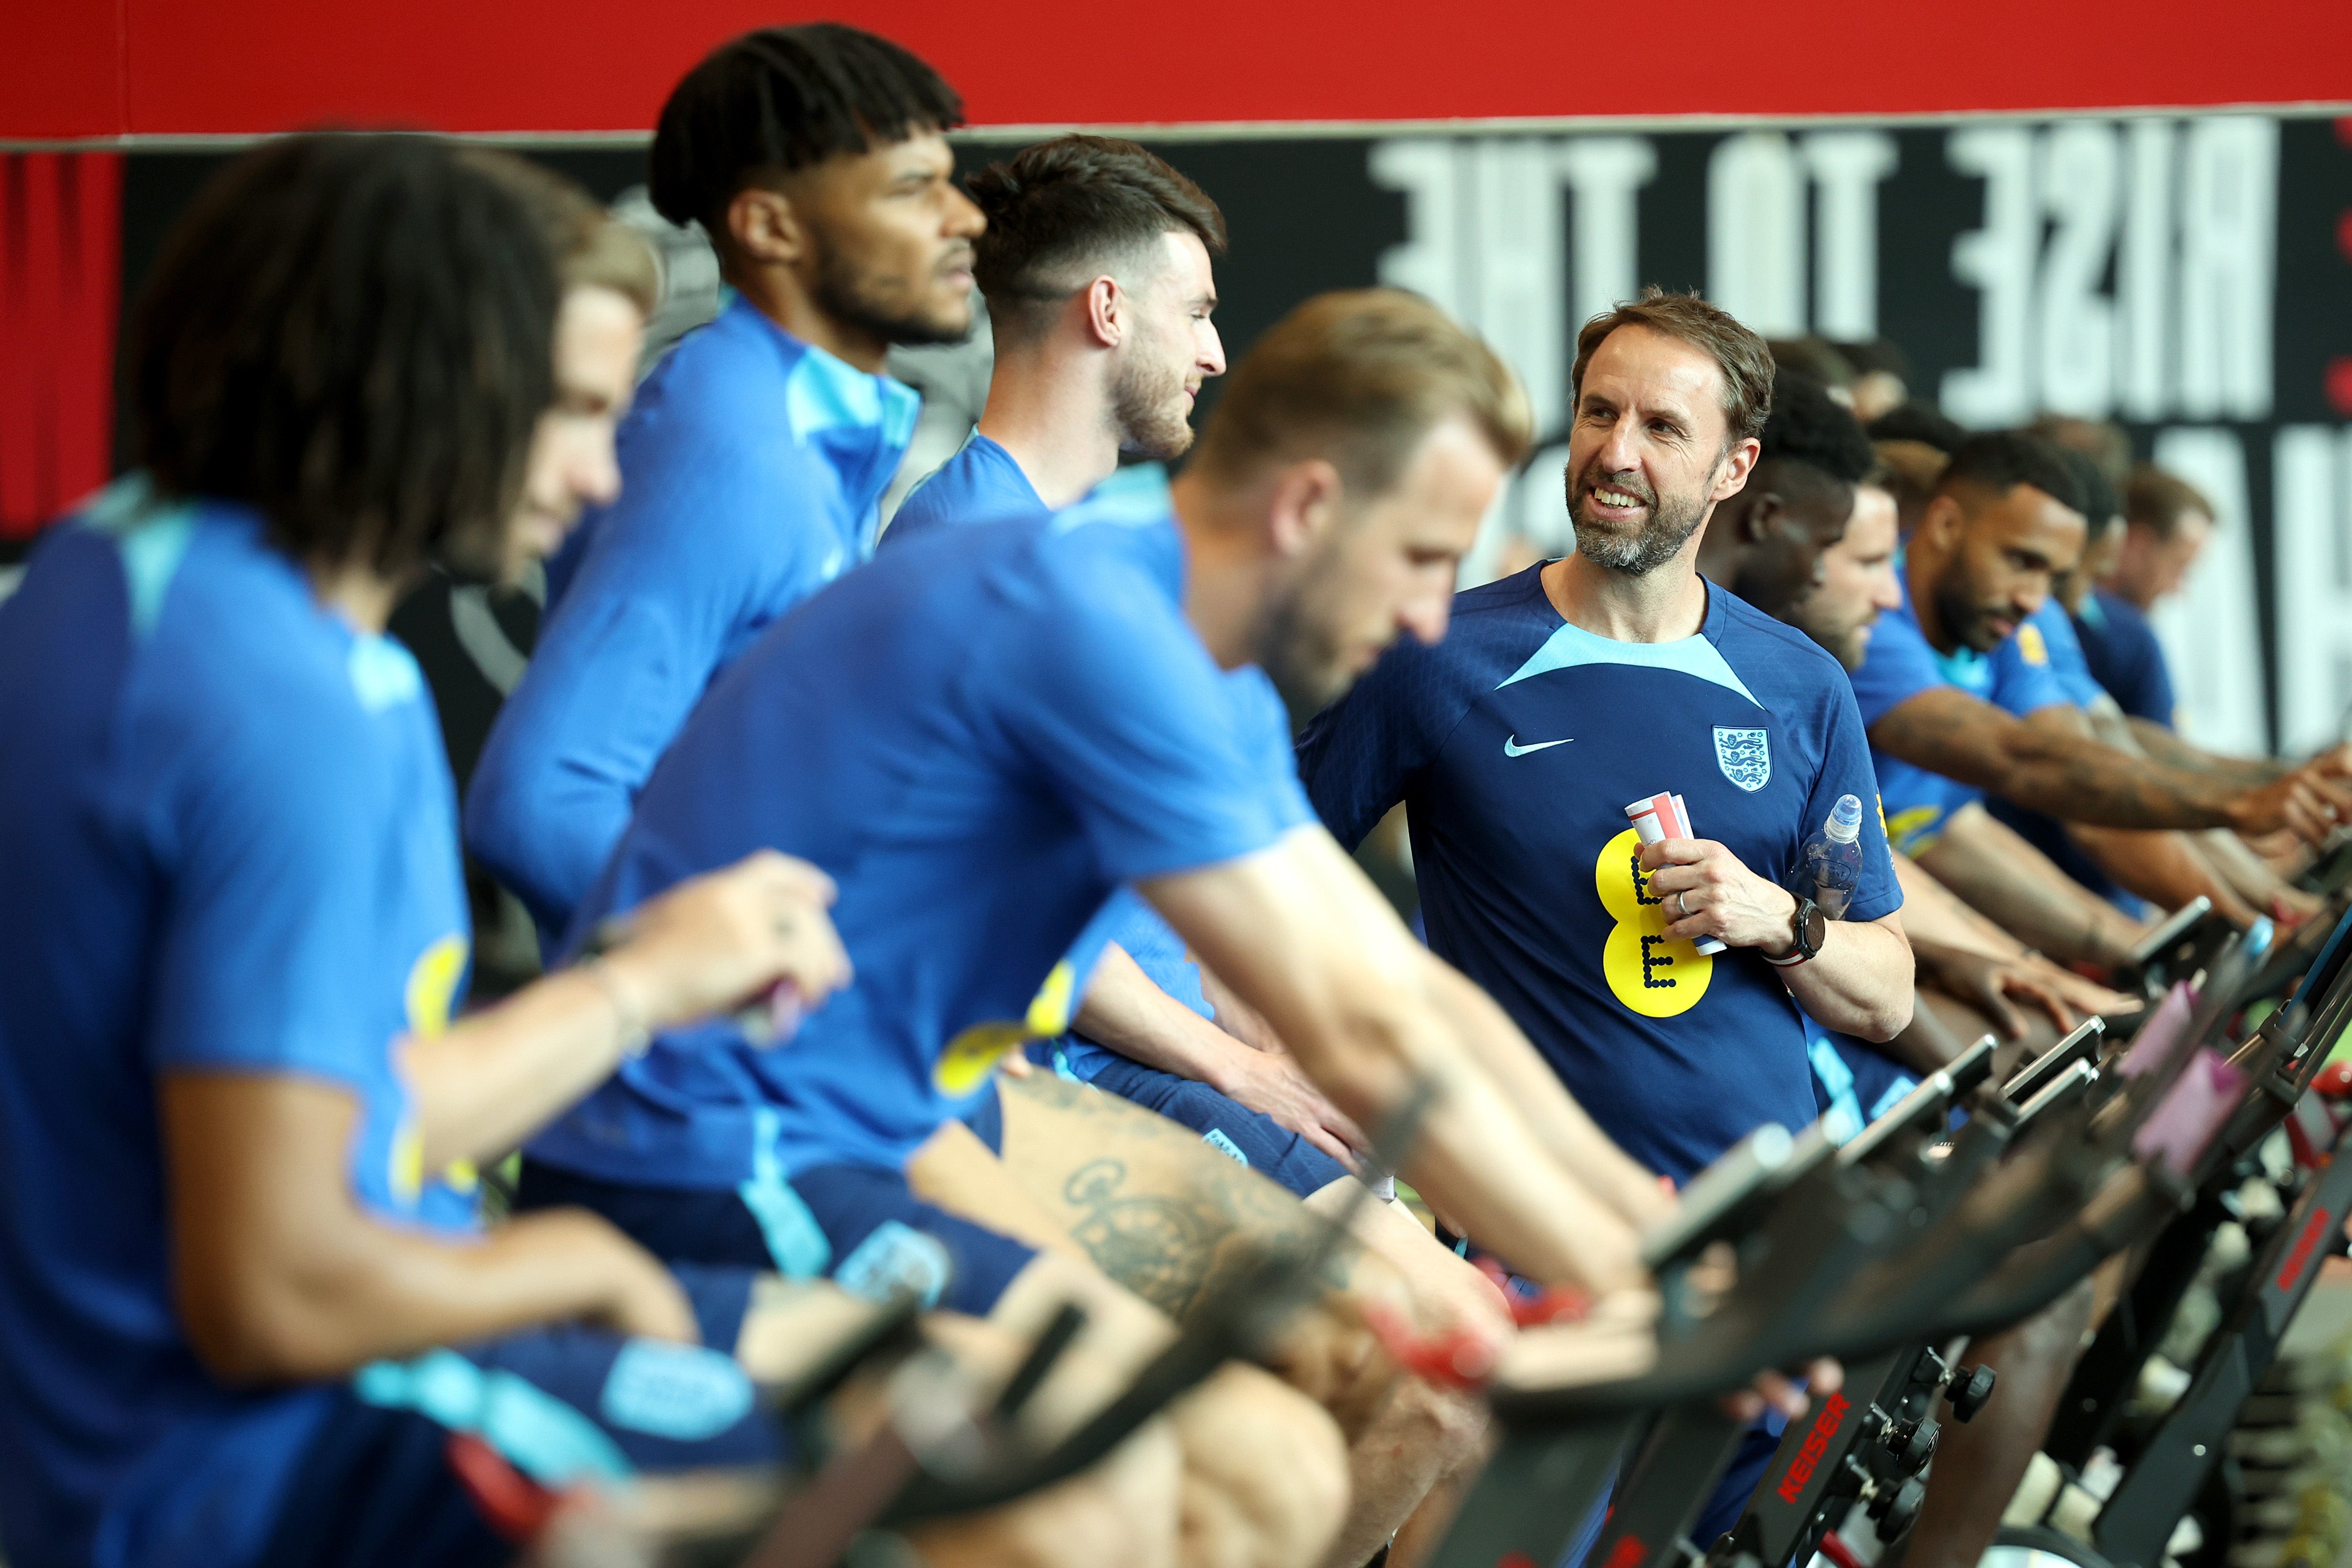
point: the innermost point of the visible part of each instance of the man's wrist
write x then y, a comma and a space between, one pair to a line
1782, 943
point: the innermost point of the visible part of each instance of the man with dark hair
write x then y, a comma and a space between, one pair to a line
2007, 519
1611, 677
239, 1104
813, 156
1095, 265
980, 796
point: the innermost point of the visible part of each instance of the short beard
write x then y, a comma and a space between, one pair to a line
1669, 527
1148, 412
1963, 619
1299, 659
846, 292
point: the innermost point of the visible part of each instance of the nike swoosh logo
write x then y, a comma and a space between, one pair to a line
1511, 747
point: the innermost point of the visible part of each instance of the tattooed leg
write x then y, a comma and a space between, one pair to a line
1165, 1214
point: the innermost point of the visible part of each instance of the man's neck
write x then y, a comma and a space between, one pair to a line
777, 294
1052, 414
1916, 574
1662, 605
1228, 576
357, 593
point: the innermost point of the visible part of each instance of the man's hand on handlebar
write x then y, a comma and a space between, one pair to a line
716, 940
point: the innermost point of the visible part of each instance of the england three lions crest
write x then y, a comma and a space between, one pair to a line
1745, 756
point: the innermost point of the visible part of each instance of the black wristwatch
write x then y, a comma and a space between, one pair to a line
1808, 926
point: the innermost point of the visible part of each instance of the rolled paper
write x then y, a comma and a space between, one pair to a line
1661, 816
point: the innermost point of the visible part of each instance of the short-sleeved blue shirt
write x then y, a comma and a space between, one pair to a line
229, 835
982, 483
2126, 658
979, 736
750, 467
2050, 632
1900, 664
1516, 744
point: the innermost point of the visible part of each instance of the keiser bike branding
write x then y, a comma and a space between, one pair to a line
1817, 1443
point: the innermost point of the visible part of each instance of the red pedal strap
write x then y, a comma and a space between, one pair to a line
511, 1502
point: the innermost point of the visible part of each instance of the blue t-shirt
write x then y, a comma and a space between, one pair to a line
750, 465
1900, 664
2124, 656
2047, 640
1260, 723
979, 736
1516, 744
981, 483
229, 835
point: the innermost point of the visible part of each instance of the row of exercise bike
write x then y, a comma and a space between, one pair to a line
1968, 1206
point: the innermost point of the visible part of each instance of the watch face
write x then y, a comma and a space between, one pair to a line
1817, 927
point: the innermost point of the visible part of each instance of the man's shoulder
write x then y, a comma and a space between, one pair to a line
981, 483
1771, 653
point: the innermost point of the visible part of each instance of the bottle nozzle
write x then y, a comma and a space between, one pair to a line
1844, 825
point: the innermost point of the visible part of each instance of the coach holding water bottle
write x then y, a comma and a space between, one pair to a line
1614, 675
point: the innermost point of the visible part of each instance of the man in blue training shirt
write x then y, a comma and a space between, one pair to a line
2168, 523
236, 932
980, 792
814, 159
1096, 267
238, 1216
1575, 688
2003, 524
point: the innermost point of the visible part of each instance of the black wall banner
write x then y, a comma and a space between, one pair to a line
2188, 277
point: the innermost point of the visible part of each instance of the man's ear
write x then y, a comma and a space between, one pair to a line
763, 228
1738, 463
1762, 513
1108, 311
1304, 504
1939, 525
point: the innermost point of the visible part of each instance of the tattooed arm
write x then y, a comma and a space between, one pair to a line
1302, 937
2050, 767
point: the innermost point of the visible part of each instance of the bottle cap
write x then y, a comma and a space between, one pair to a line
1844, 825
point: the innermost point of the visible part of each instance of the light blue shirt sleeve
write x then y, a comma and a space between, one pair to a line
1898, 666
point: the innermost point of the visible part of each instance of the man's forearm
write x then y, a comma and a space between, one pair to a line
496, 1077
1126, 1011
1531, 1085
1932, 913
2165, 746
2016, 886
1860, 983
2047, 768
2163, 867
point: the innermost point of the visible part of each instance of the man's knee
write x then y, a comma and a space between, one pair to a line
1125, 1509
1265, 1474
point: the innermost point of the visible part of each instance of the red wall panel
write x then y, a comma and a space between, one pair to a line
61, 234
170, 66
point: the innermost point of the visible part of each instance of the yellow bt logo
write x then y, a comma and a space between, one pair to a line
428, 997
972, 1055
2031, 644
1654, 974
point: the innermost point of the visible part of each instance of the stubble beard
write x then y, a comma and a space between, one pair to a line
1670, 522
847, 293
1149, 412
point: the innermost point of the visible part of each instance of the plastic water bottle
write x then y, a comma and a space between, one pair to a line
1834, 858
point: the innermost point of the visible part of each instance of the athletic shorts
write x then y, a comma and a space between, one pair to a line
1250, 1137
562, 1406
860, 1226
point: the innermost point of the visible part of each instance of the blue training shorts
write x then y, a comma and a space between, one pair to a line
562, 1405
1232, 1129
863, 1228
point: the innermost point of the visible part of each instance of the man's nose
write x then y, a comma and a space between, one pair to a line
596, 477
1424, 616
965, 220
1212, 356
1621, 452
